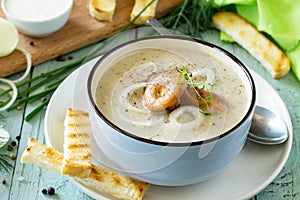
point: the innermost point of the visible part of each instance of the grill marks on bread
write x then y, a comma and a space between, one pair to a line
118, 186
42, 156
76, 161
100, 179
77, 144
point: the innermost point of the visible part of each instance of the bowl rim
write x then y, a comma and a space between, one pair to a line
163, 143
8, 14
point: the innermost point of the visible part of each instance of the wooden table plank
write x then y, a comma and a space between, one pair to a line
13, 124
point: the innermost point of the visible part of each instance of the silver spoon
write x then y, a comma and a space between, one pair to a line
267, 127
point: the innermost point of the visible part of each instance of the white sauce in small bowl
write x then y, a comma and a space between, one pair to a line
36, 10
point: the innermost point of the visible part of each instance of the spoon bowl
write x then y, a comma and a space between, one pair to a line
267, 127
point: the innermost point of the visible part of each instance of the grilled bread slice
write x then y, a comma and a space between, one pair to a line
100, 179
147, 14
120, 187
77, 144
42, 156
102, 10
269, 55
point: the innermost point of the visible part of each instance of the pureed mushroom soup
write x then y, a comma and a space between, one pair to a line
223, 102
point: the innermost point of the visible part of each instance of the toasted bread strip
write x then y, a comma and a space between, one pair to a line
77, 144
102, 10
42, 156
147, 14
270, 56
100, 179
112, 183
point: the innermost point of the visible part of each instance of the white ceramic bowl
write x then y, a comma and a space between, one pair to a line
168, 163
38, 26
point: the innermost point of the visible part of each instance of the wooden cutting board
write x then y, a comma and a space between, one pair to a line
81, 30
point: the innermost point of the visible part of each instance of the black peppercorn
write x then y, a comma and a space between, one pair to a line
3, 181
51, 190
13, 143
44, 191
60, 58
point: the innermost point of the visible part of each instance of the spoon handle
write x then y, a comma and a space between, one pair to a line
154, 23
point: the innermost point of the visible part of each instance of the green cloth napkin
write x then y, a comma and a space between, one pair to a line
277, 18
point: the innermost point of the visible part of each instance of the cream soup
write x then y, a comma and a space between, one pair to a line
120, 96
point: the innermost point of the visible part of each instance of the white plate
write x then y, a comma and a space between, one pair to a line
254, 168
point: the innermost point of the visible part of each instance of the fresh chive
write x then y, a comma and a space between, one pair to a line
3, 103
136, 17
41, 83
57, 83
32, 98
44, 75
36, 110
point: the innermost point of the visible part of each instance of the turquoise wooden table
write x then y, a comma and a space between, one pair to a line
26, 181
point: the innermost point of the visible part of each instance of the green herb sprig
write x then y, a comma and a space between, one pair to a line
4, 163
191, 16
186, 76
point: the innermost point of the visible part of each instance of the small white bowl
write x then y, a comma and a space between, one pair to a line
34, 21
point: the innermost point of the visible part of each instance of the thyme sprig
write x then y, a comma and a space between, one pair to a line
187, 76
